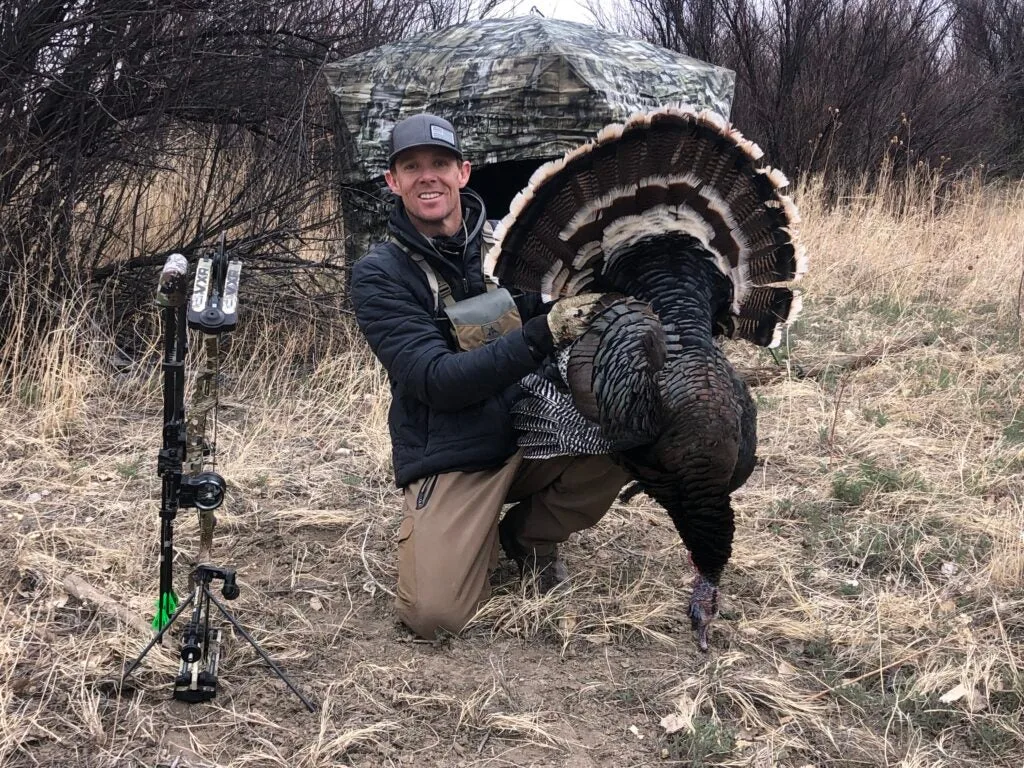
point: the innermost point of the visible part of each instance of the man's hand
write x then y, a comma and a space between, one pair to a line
569, 317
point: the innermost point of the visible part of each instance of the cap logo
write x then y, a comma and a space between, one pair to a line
442, 133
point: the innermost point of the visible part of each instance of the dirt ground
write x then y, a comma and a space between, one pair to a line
547, 683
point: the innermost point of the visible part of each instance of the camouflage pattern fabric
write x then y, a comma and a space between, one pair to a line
515, 89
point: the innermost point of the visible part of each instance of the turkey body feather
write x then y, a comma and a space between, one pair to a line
675, 219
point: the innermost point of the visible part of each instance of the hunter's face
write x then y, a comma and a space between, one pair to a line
428, 179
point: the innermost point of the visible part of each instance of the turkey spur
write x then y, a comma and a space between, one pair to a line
677, 222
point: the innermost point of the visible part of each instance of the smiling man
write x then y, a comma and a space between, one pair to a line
455, 346
428, 173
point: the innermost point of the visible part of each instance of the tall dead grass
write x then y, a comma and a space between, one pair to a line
918, 238
873, 606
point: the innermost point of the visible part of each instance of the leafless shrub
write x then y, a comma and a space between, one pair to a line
990, 38
838, 86
129, 130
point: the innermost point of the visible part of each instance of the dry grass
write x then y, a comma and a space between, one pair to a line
874, 610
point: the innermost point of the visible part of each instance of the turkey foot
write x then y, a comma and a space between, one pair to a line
703, 608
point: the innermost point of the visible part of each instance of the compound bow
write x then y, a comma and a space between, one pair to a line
182, 462
187, 467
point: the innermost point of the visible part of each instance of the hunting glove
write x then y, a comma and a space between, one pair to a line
569, 317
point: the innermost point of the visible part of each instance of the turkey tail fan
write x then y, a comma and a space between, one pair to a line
672, 171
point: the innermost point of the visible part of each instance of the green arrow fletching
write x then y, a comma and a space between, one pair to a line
166, 605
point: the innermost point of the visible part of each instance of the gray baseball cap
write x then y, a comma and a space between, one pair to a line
423, 131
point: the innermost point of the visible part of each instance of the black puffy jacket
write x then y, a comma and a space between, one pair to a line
449, 409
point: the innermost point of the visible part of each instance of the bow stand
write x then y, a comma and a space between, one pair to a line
187, 467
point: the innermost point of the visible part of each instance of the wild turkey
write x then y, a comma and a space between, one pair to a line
674, 218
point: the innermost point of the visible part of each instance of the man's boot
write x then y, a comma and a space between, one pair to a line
547, 571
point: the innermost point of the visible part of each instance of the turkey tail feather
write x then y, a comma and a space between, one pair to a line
672, 170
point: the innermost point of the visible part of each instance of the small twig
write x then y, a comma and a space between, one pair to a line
366, 564
758, 376
79, 588
879, 671
835, 410
1006, 641
480, 749
1020, 291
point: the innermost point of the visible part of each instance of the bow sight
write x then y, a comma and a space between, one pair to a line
212, 310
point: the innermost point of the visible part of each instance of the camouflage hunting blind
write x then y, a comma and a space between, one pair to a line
519, 91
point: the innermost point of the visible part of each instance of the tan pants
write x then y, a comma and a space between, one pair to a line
448, 539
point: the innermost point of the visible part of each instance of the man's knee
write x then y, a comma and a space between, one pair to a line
426, 619
590, 484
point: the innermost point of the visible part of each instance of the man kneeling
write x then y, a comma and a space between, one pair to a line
455, 347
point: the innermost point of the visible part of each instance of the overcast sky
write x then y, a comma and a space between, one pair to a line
570, 10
